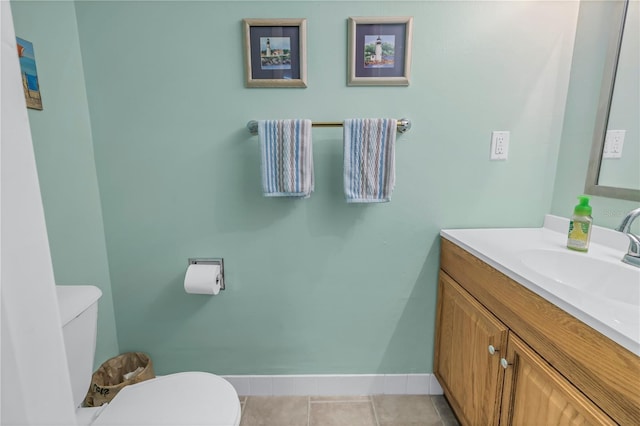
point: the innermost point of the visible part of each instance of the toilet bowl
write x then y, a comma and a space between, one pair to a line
191, 398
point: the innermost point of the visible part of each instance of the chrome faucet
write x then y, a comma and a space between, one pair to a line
633, 255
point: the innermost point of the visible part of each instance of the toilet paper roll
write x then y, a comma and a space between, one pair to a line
202, 279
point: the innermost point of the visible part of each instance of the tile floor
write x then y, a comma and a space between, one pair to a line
374, 410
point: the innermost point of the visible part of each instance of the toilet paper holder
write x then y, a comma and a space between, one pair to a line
210, 261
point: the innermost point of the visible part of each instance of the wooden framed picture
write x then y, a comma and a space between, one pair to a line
380, 51
275, 52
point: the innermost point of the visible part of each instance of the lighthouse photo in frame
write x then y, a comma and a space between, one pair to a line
379, 51
275, 52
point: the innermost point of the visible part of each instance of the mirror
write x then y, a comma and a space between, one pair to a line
610, 175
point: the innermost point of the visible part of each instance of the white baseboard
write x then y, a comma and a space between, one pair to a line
336, 384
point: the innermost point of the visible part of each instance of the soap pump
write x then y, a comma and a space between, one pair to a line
580, 226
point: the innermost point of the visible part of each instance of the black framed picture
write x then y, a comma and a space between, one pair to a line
275, 52
380, 51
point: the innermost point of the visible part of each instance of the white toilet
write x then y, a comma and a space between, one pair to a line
193, 398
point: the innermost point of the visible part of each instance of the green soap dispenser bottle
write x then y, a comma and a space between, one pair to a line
580, 226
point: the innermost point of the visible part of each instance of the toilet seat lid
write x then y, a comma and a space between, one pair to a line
192, 398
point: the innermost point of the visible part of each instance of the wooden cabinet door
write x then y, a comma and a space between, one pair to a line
536, 394
470, 376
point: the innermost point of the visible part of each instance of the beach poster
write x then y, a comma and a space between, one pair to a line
29, 74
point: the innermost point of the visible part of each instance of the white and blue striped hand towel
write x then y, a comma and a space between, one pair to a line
287, 158
369, 159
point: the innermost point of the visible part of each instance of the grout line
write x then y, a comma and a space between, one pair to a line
365, 398
243, 408
375, 413
435, 407
345, 399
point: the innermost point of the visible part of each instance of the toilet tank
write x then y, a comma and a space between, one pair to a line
78, 306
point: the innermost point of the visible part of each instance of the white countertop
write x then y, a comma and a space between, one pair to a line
503, 249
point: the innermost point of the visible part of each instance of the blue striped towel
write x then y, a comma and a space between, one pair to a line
369, 159
287, 158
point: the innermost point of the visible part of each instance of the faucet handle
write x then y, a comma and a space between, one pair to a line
634, 245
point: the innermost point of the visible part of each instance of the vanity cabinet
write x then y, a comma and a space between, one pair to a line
536, 394
505, 355
463, 363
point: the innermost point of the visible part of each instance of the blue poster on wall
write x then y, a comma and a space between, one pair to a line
29, 74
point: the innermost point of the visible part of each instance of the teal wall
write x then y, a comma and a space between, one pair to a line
592, 34
65, 159
314, 286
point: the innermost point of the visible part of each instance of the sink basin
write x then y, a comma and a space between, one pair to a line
614, 281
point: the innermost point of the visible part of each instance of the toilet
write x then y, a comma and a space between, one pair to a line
192, 398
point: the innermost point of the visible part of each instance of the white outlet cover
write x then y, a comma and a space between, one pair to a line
499, 145
613, 143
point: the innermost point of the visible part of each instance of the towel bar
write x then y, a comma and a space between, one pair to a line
403, 125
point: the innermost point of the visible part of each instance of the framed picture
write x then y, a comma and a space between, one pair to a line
380, 51
275, 52
29, 74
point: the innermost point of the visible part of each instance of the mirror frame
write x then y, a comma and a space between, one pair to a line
602, 118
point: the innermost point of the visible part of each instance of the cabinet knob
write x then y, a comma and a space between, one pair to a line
493, 350
504, 363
